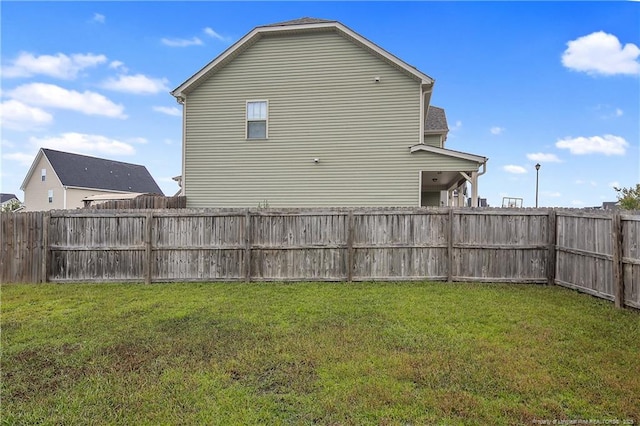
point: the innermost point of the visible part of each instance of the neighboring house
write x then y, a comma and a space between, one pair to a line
61, 180
308, 113
8, 199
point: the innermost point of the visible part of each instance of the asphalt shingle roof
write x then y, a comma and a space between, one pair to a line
97, 173
299, 21
436, 120
6, 197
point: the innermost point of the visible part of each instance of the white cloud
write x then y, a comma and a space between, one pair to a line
496, 130
607, 145
20, 158
518, 170
211, 33
118, 65
601, 53
618, 112
168, 110
577, 203
18, 116
542, 157
138, 84
50, 95
84, 144
58, 66
552, 194
138, 140
181, 42
98, 17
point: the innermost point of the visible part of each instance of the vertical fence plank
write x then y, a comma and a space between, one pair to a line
44, 277
450, 239
247, 246
350, 246
551, 251
616, 240
148, 270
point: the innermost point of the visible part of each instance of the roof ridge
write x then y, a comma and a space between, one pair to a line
91, 156
300, 21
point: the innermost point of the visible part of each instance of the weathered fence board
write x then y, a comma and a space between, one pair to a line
594, 252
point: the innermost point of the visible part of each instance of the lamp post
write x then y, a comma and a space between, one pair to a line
537, 170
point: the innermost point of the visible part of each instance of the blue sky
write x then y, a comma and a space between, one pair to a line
522, 83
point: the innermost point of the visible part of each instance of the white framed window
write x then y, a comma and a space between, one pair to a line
50, 195
43, 174
257, 119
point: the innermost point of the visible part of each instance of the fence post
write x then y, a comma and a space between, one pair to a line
350, 246
551, 249
148, 248
450, 247
247, 246
45, 248
616, 246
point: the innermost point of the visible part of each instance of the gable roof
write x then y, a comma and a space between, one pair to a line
7, 197
449, 153
83, 171
292, 27
436, 121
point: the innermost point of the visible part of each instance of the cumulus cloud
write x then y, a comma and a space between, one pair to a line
518, 170
98, 17
607, 145
496, 130
21, 158
58, 66
82, 143
50, 95
168, 110
181, 42
118, 65
601, 53
17, 116
138, 84
542, 157
211, 33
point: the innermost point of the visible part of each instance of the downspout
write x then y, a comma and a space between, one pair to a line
183, 101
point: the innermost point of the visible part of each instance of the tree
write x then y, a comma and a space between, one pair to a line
629, 198
13, 205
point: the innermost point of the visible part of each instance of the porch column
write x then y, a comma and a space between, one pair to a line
474, 189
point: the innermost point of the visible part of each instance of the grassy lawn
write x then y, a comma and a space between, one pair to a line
315, 353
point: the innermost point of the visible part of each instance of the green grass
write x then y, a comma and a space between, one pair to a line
315, 353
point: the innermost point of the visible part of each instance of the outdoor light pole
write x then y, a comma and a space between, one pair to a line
537, 170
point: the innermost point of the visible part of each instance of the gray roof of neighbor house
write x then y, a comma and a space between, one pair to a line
436, 120
83, 171
6, 197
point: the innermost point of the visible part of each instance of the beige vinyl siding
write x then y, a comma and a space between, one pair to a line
433, 140
75, 196
36, 192
323, 103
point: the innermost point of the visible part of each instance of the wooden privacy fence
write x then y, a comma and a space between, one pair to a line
593, 252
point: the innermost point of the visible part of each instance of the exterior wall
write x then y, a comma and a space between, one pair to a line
323, 103
433, 140
431, 198
36, 191
75, 196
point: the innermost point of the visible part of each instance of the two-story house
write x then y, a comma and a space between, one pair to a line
308, 113
62, 180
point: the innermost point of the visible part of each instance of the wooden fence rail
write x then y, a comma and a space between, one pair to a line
593, 252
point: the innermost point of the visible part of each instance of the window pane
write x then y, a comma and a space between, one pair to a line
257, 130
257, 111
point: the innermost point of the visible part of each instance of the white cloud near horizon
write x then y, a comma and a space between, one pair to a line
173, 111
16, 115
58, 66
21, 158
211, 33
542, 157
607, 145
138, 84
181, 42
601, 53
82, 143
496, 130
518, 170
50, 95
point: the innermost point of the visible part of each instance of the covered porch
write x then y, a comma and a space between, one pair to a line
446, 175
